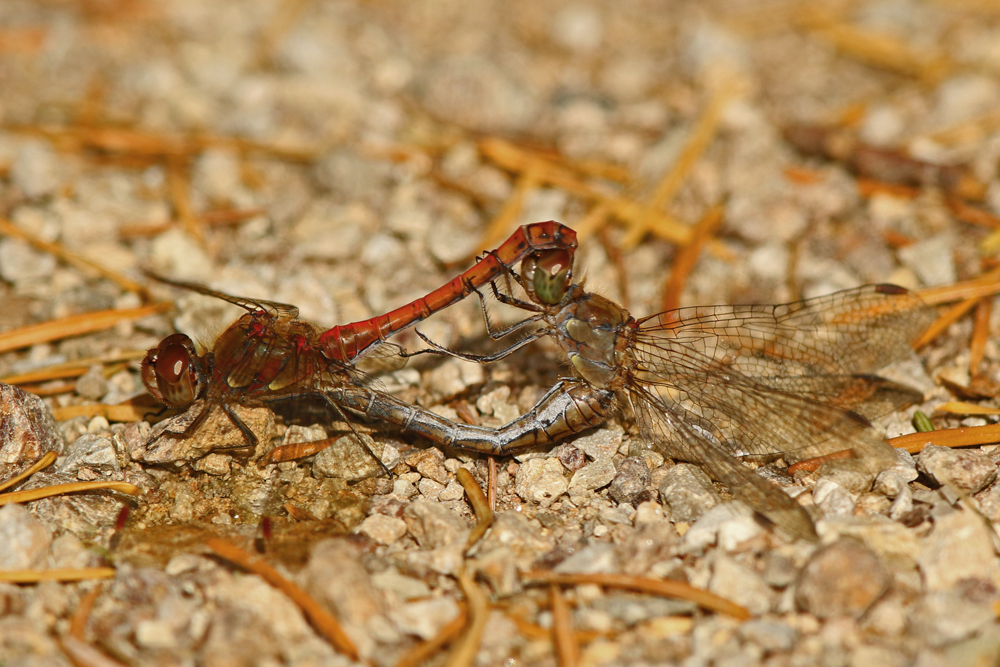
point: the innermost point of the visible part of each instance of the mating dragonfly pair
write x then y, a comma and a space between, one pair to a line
705, 384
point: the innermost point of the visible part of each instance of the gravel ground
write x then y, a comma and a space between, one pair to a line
345, 157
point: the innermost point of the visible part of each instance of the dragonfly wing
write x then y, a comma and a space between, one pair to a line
852, 332
751, 417
281, 311
667, 427
383, 358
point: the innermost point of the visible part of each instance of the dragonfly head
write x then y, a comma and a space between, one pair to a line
170, 371
547, 275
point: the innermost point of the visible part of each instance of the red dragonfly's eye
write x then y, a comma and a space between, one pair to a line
169, 373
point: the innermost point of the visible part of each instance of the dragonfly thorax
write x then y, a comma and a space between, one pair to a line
592, 331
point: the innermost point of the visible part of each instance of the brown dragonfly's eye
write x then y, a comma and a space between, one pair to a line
547, 275
169, 373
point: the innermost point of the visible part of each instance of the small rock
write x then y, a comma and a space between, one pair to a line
592, 476
433, 525
894, 543
631, 480
454, 491
21, 263
403, 587
214, 464
688, 491
424, 618
932, 259
90, 451
28, 431
25, 539
649, 511
540, 481
347, 458
648, 545
854, 481
601, 444
633, 608
967, 469
705, 531
36, 169
833, 499
383, 529
480, 93
958, 548
429, 463
841, 579
92, 384
578, 28
572, 457
868, 654
596, 558
771, 636
429, 488
944, 617
981, 650
737, 582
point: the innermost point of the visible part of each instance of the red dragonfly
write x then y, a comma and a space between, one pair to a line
268, 355
709, 384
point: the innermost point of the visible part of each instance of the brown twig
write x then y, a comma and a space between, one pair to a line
464, 653
122, 412
567, 650
809, 465
71, 487
980, 335
71, 369
951, 437
322, 620
40, 464
480, 505
86, 655
665, 587
78, 624
57, 574
8, 228
687, 256
75, 325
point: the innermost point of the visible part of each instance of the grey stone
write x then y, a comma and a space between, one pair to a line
28, 431
945, 617
596, 558
967, 469
347, 458
92, 384
540, 481
739, 583
772, 636
958, 548
22, 263
841, 579
592, 476
601, 444
572, 457
631, 480
36, 169
705, 531
833, 499
424, 618
433, 525
633, 608
383, 529
91, 451
688, 491
25, 539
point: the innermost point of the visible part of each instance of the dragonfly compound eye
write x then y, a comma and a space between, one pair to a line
547, 275
168, 371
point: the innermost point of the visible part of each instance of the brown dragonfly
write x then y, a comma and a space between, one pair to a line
710, 384
270, 356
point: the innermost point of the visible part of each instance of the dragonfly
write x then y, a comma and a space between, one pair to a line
710, 385
268, 355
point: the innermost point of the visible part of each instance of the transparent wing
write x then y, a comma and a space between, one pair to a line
852, 332
281, 311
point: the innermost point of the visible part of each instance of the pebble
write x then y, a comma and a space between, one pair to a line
772, 636
348, 459
633, 608
383, 529
688, 492
429, 462
92, 384
540, 481
968, 469
572, 457
833, 499
945, 617
403, 587
578, 27
91, 451
477, 93
958, 548
25, 539
595, 558
739, 583
433, 525
214, 464
36, 169
631, 480
21, 263
424, 618
592, 476
28, 431
601, 444
841, 579
932, 259
705, 531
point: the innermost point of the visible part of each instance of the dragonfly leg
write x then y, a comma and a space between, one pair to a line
238, 423
479, 358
